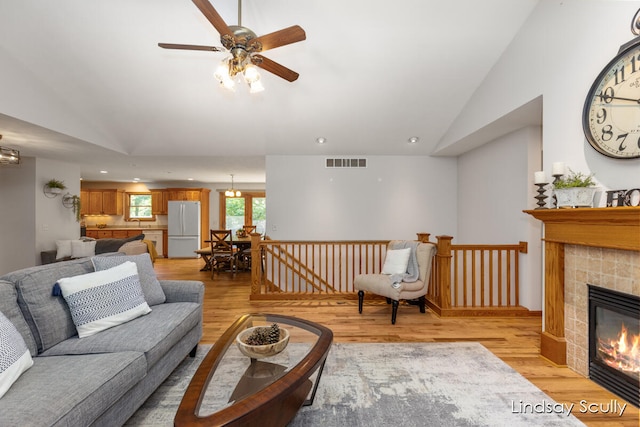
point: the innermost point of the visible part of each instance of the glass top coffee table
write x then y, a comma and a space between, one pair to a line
231, 389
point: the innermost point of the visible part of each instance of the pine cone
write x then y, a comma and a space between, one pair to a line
274, 334
266, 335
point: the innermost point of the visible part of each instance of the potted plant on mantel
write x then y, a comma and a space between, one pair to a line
55, 186
574, 190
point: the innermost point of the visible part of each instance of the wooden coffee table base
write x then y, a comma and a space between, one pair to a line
267, 394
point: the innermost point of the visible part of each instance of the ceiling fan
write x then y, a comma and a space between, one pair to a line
243, 44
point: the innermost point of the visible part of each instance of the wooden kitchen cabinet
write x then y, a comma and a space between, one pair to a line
105, 234
92, 233
105, 202
159, 202
84, 202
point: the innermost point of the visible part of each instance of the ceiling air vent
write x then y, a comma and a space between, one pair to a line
346, 163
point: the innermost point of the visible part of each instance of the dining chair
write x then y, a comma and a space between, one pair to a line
222, 250
244, 256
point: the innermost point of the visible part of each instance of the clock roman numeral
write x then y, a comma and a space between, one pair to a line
620, 75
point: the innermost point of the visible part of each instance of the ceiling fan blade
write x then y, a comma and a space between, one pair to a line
212, 15
190, 47
274, 67
281, 38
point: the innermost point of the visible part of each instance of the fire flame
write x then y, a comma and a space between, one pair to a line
622, 353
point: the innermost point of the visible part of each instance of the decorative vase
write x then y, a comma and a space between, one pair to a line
576, 197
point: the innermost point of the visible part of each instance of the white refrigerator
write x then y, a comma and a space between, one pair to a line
183, 229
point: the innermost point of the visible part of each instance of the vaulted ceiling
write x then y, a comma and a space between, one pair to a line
84, 81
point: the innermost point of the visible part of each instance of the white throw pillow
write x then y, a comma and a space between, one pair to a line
104, 299
80, 249
63, 248
14, 355
396, 261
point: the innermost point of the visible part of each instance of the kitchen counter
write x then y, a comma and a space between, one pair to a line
142, 227
155, 233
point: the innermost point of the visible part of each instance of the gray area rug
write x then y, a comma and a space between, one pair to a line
395, 384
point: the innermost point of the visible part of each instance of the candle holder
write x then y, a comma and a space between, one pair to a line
554, 198
542, 197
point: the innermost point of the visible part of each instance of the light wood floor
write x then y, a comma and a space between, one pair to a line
514, 340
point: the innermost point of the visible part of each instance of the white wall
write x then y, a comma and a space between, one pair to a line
17, 210
31, 221
493, 189
393, 198
53, 221
558, 53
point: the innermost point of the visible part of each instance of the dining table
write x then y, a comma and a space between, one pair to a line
241, 243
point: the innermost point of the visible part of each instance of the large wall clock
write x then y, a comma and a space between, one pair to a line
611, 114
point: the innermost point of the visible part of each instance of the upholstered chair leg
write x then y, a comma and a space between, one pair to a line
360, 300
394, 311
422, 303
388, 300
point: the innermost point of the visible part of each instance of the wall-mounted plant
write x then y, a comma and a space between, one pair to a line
55, 186
69, 201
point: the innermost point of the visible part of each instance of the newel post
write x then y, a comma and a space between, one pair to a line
256, 261
443, 269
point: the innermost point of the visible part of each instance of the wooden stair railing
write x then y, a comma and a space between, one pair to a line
466, 280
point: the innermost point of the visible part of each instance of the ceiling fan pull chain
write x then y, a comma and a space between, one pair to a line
239, 13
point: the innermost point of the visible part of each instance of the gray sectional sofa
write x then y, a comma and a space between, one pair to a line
98, 380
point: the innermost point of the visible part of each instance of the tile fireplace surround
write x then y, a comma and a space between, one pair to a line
598, 246
608, 268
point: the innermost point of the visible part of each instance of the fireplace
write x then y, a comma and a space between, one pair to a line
614, 342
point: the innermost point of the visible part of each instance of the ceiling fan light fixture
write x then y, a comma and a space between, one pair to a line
223, 77
251, 75
256, 87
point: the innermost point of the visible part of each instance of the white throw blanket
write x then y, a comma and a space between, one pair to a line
413, 269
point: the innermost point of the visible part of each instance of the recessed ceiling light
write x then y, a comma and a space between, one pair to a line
104, 172
136, 179
413, 140
189, 179
321, 140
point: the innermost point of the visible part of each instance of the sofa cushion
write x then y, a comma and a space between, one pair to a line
104, 299
81, 249
48, 317
153, 292
70, 390
14, 355
9, 307
112, 245
63, 249
153, 334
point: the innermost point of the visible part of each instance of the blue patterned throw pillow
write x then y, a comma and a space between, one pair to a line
14, 355
104, 299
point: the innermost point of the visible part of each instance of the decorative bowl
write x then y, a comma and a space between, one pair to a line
261, 351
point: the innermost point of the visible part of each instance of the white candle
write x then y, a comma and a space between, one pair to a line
558, 168
539, 178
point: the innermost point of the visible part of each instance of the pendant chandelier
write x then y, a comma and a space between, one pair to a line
9, 156
231, 192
